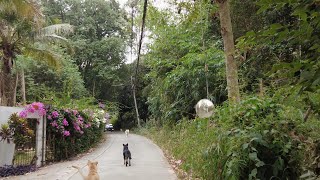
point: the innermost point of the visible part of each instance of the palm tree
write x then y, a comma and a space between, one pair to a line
22, 32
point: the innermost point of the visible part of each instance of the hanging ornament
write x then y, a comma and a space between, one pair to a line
204, 108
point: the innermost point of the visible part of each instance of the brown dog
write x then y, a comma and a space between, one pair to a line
93, 171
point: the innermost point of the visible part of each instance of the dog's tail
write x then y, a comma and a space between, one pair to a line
79, 169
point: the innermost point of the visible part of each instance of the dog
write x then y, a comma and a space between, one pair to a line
127, 132
126, 155
93, 171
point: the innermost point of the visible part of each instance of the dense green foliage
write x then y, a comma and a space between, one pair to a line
177, 61
45, 82
258, 138
273, 133
99, 42
273, 136
24, 32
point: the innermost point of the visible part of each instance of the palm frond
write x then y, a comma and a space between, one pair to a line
56, 29
43, 54
51, 38
57, 40
24, 9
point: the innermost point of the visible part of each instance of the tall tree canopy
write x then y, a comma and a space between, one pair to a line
99, 40
23, 31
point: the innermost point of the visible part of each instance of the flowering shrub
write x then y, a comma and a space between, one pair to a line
67, 122
70, 131
32, 108
96, 116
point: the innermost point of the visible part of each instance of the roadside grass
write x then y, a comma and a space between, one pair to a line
259, 139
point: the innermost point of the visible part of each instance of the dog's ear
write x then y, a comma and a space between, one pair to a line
127, 144
123, 144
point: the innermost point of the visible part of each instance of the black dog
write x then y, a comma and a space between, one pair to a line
126, 155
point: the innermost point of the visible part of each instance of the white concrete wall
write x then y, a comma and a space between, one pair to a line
5, 113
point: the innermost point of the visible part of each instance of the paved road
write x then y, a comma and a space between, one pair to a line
148, 162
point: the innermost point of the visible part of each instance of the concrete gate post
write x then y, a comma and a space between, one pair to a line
41, 141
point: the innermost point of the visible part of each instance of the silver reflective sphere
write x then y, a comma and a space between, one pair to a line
204, 108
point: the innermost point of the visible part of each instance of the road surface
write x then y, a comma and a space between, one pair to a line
148, 162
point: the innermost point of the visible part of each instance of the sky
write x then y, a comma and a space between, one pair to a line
161, 4
158, 3
122, 2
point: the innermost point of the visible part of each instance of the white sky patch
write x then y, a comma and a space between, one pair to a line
160, 4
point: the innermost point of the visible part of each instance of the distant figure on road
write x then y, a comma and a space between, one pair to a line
127, 132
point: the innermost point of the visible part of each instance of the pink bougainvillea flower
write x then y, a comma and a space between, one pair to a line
23, 114
42, 112
80, 118
75, 112
87, 125
55, 114
35, 105
32, 108
107, 116
101, 105
40, 107
80, 122
65, 122
76, 127
66, 133
49, 117
54, 124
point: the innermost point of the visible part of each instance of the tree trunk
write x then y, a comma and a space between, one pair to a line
6, 89
23, 88
1, 87
261, 89
15, 90
6, 77
94, 87
135, 102
228, 41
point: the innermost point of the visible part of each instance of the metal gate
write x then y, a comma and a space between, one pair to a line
25, 149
